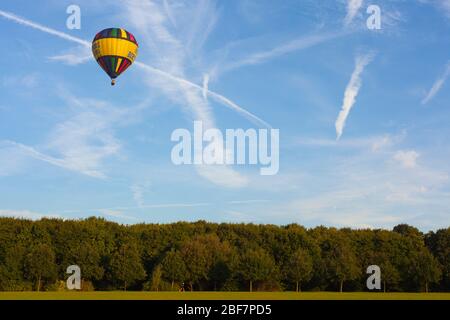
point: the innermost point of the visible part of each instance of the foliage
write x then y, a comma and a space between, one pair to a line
34, 255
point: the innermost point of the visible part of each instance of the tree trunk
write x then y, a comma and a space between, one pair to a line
384, 282
39, 284
342, 285
426, 286
125, 286
191, 286
251, 285
297, 287
172, 285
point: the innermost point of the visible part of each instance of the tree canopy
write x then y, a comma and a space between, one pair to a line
34, 255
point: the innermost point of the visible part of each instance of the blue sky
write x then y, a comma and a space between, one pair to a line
72, 146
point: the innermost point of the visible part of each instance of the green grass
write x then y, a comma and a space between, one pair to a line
116, 295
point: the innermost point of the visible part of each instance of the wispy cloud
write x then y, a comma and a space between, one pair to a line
168, 10
199, 89
353, 7
445, 4
162, 34
351, 92
62, 163
116, 214
248, 201
283, 49
83, 141
172, 49
74, 57
26, 214
37, 26
369, 190
441, 5
205, 86
375, 143
222, 175
408, 159
437, 86
29, 81
148, 206
138, 190
168, 54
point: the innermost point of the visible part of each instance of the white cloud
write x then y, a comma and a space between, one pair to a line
26, 214
74, 56
445, 4
368, 192
375, 143
407, 159
283, 49
353, 7
205, 86
171, 50
139, 18
62, 163
116, 214
437, 86
82, 142
442, 5
119, 209
351, 92
37, 26
138, 190
222, 175
11, 159
28, 81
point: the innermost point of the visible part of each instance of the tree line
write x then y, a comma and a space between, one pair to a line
34, 255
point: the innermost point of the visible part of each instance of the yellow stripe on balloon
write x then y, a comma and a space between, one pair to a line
124, 34
119, 61
115, 47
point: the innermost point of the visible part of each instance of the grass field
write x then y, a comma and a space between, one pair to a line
219, 296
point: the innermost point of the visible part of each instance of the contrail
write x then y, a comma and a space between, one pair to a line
37, 26
437, 86
353, 7
62, 163
218, 97
291, 46
351, 92
205, 86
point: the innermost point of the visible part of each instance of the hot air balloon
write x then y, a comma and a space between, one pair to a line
115, 49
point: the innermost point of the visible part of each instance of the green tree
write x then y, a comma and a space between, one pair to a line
126, 265
155, 282
340, 259
256, 265
11, 268
426, 269
197, 260
389, 275
173, 267
40, 264
299, 267
86, 255
439, 245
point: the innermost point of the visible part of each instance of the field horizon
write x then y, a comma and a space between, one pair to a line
167, 295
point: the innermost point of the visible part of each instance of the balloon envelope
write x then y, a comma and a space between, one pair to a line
115, 49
